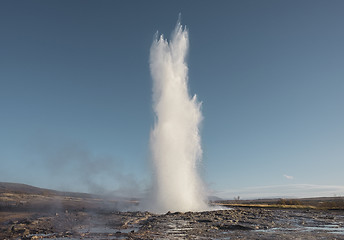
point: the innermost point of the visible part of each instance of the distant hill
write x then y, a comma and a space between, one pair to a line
22, 197
19, 188
6, 187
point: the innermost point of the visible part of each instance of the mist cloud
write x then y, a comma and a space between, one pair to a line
73, 167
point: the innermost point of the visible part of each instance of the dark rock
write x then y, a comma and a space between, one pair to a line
233, 227
204, 220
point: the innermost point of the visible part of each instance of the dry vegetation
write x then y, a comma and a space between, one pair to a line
324, 203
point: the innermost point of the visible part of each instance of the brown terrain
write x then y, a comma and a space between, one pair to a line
28, 212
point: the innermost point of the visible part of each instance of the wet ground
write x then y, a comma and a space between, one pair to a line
236, 223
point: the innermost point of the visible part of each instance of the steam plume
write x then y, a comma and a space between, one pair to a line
175, 139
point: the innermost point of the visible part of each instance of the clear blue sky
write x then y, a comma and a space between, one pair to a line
75, 93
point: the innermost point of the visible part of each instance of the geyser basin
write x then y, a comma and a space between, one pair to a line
175, 140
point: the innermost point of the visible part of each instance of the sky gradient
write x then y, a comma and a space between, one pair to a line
76, 107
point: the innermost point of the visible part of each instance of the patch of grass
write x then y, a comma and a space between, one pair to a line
329, 203
336, 204
252, 205
283, 201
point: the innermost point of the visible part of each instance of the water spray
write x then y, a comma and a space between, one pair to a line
175, 139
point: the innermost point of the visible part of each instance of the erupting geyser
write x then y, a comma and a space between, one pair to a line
175, 139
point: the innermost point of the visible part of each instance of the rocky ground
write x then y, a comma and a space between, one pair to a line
54, 215
238, 223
